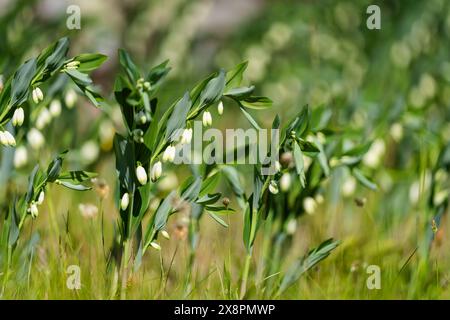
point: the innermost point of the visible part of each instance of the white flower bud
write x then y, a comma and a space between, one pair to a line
141, 175
396, 131
3, 139
18, 117
55, 108
220, 108
156, 171
124, 201
319, 198
291, 226
207, 119
70, 98
273, 187
89, 151
73, 65
11, 141
277, 166
169, 154
310, 205
165, 234
43, 119
35, 138
20, 157
41, 198
37, 95
285, 182
33, 210
186, 137
373, 157
348, 187
155, 246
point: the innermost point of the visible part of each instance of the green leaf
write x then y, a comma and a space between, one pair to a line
54, 167
157, 73
31, 183
77, 176
192, 191
21, 82
78, 187
300, 266
54, 59
358, 151
14, 225
89, 61
250, 119
218, 219
208, 198
78, 77
209, 184
219, 210
234, 76
299, 166
177, 119
308, 146
240, 93
163, 212
363, 179
257, 102
232, 177
213, 90
130, 68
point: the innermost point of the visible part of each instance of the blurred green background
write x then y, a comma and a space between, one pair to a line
390, 85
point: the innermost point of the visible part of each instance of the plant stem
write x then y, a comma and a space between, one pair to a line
7, 267
248, 260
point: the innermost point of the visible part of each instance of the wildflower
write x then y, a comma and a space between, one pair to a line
88, 210
273, 187
70, 98
41, 198
156, 171
33, 210
43, 119
124, 201
35, 138
18, 117
8, 138
20, 157
141, 175
207, 119
37, 95
55, 108
169, 154
310, 205
165, 234
186, 137
155, 245
285, 182
220, 108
